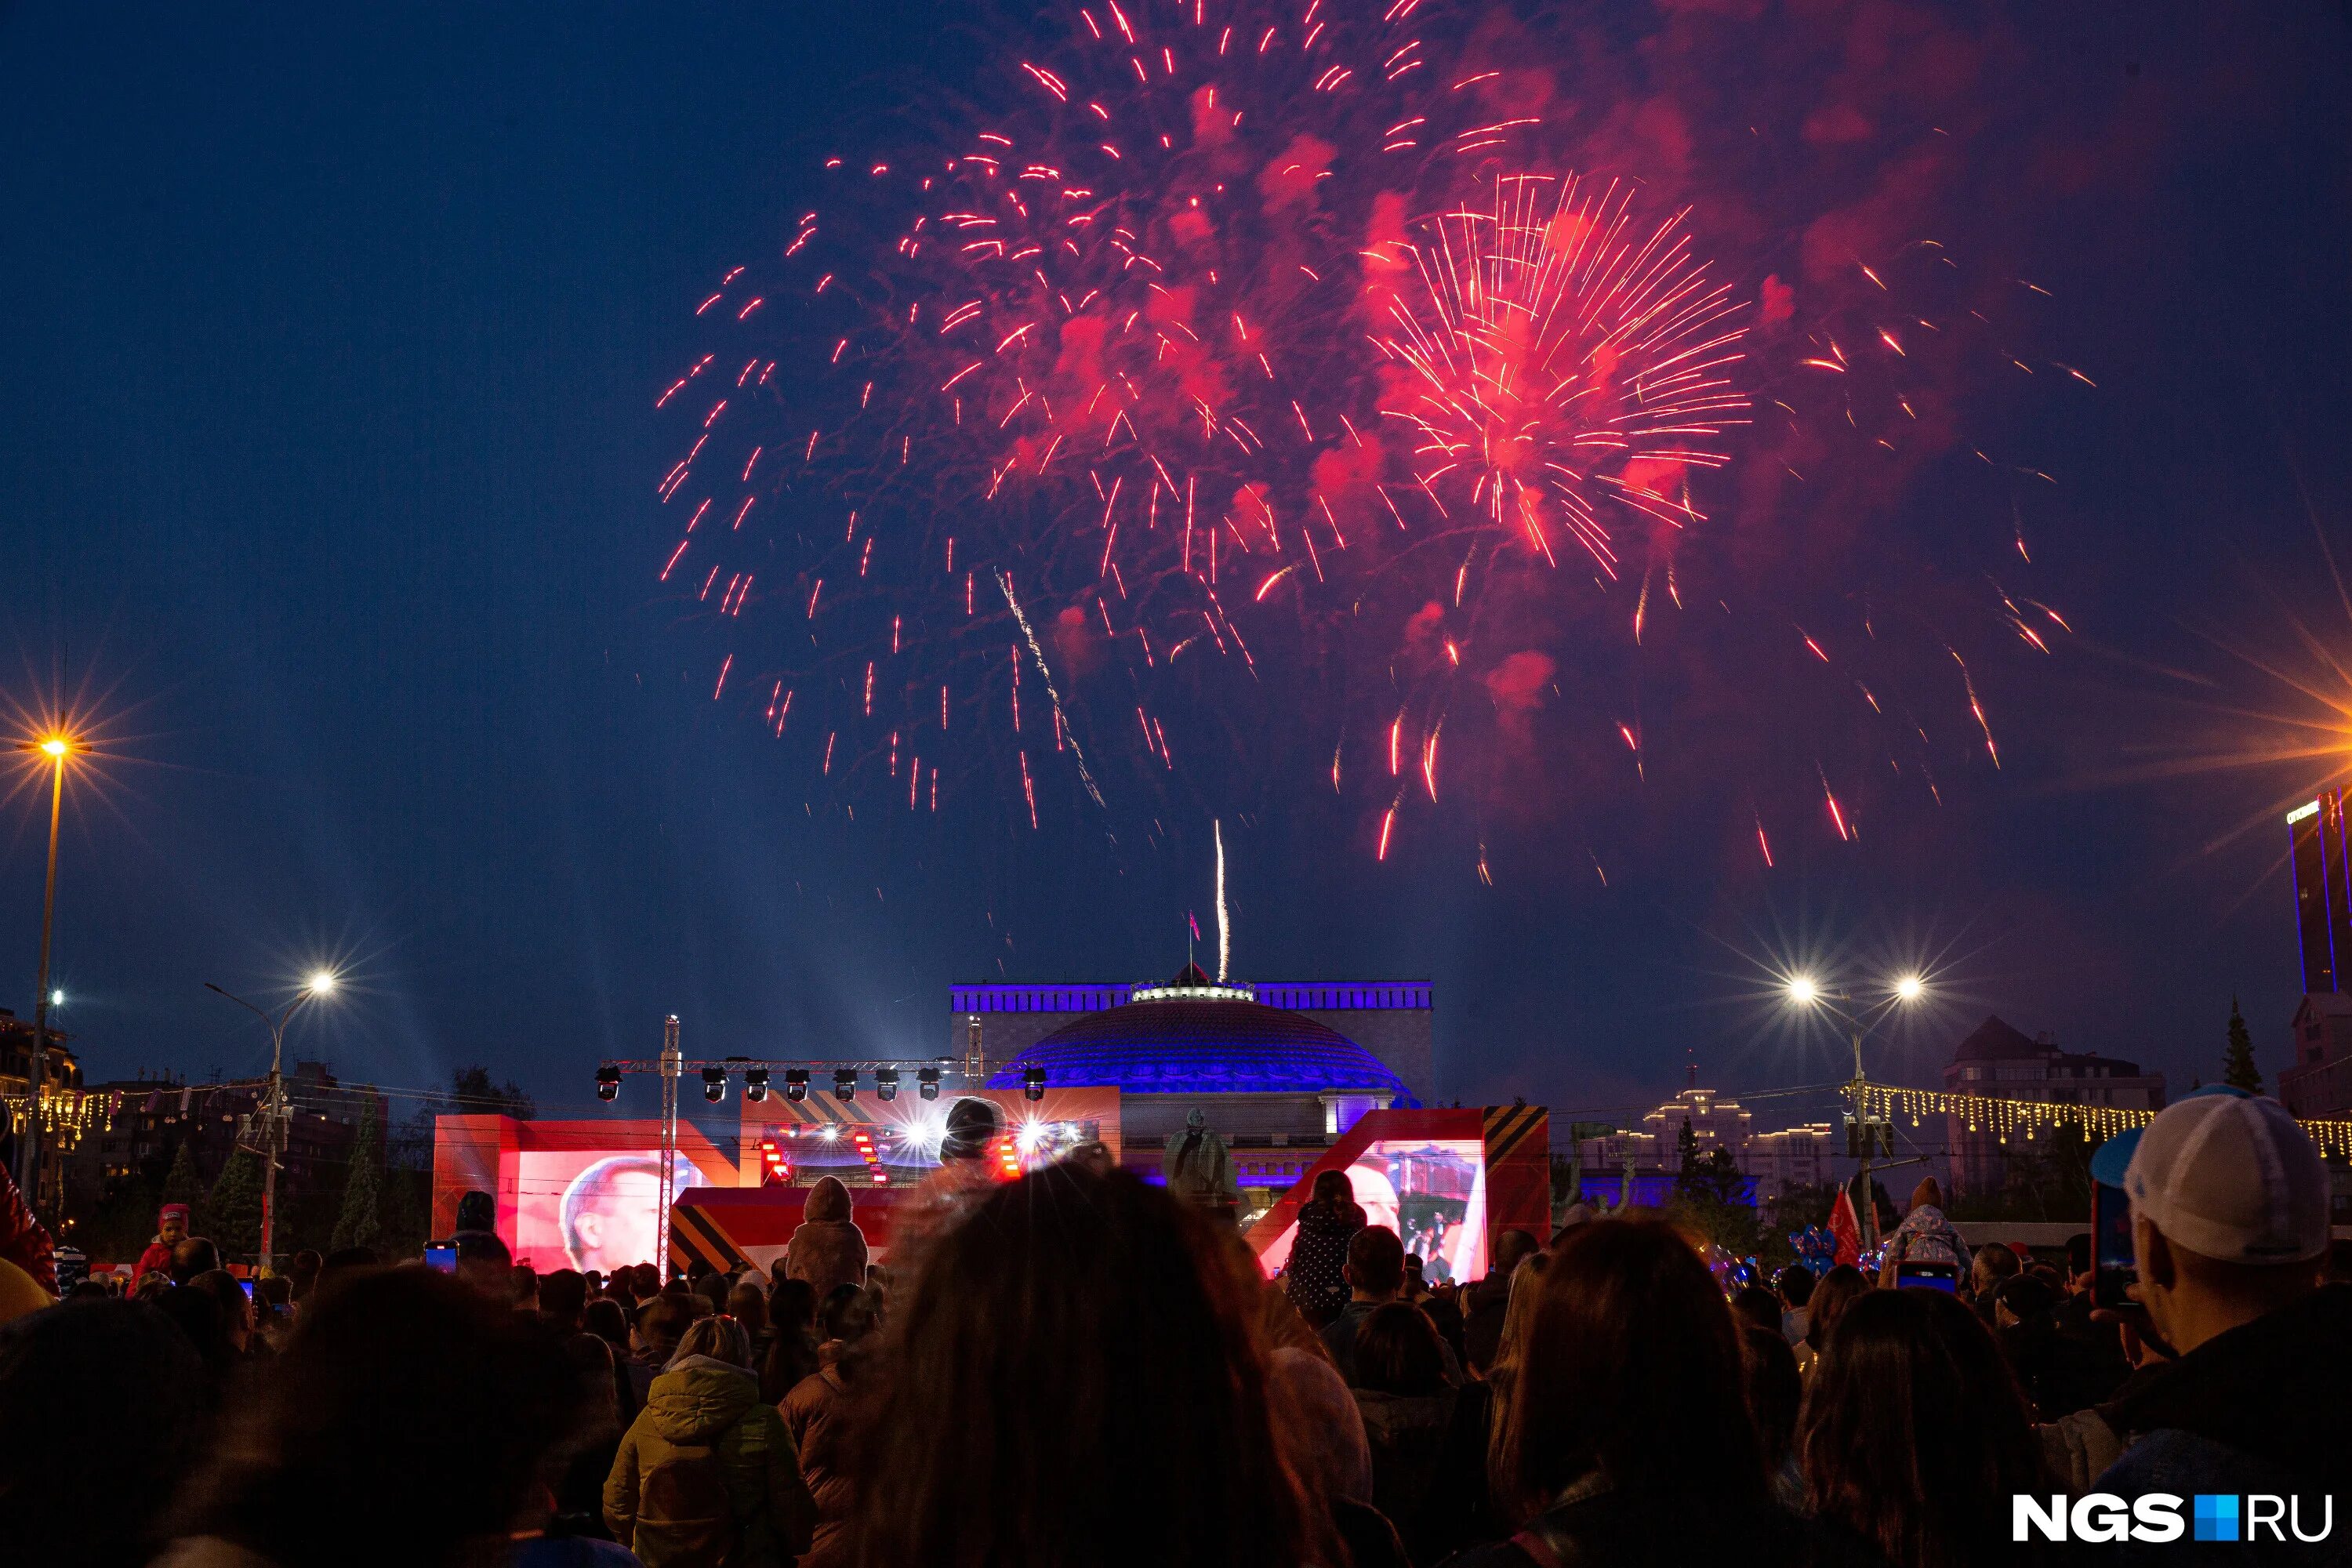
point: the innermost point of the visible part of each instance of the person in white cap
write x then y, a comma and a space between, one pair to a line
2229, 1207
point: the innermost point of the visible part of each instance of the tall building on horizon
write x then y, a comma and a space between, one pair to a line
2323, 891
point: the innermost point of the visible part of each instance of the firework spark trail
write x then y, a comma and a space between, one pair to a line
1224, 921
1038, 654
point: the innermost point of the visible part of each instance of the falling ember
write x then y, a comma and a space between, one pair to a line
1977, 707
1762, 843
1388, 826
1837, 812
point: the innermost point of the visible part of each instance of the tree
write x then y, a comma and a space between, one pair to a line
360, 1223
471, 1092
233, 1213
2238, 1068
405, 1198
183, 1183
1801, 1203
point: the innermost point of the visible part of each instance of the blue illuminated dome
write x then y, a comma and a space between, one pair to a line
1193, 1036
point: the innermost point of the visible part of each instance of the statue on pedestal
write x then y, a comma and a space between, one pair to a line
1198, 1167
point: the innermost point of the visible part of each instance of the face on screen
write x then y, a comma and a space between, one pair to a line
615, 1216
1432, 1192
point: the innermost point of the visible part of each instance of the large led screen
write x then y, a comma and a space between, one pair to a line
1432, 1192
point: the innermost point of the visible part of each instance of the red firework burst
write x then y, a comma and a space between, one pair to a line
1560, 364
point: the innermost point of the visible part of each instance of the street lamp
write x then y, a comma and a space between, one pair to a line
1804, 991
320, 984
57, 748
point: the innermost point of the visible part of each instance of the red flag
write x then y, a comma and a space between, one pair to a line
1845, 1228
1193, 920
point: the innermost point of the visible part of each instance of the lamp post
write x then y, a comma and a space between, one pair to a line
321, 983
1804, 991
57, 748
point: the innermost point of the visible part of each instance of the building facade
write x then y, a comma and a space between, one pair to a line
2319, 849
1642, 1168
2319, 1083
137, 1126
1391, 1018
1998, 1062
64, 1105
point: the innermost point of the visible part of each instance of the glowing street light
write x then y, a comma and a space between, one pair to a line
317, 983
56, 747
1910, 988
1803, 989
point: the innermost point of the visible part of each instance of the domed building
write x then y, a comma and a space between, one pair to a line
1276, 1083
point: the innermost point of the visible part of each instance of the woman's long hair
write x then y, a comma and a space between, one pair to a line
1914, 1434
1838, 1289
1630, 1375
1332, 1192
1511, 1347
1071, 1378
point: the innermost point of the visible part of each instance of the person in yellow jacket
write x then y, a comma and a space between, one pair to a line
707, 1476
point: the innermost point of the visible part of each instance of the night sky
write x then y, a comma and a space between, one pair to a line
328, 353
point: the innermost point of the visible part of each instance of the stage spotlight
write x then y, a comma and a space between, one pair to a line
608, 1083
886, 1083
926, 1083
1032, 1083
755, 1084
844, 1083
714, 1084
795, 1084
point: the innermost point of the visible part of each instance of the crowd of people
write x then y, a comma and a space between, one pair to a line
1075, 1367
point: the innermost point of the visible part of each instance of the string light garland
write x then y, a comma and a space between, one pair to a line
2028, 1117
66, 1114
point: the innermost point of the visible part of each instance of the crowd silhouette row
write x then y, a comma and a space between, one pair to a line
1076, 1368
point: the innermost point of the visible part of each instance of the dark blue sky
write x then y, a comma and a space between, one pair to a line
328, 351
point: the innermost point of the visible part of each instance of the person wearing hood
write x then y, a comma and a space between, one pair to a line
1925, 1237
828, 1250
2229, 1226
170, 1229
707, 1474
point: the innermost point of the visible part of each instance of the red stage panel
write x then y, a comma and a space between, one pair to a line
1446, 1181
